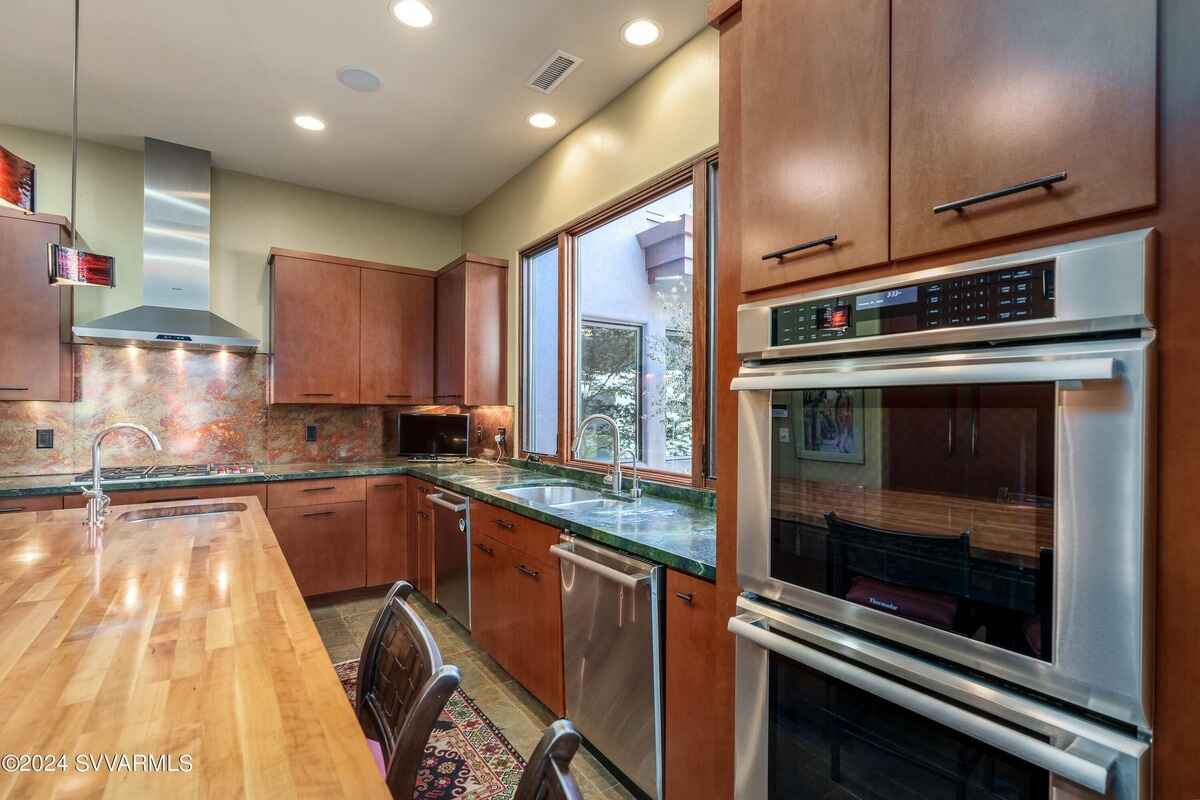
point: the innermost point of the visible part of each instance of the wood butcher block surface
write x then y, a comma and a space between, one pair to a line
1010, 530
179, 636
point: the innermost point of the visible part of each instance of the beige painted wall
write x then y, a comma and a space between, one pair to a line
667, 117
250, 215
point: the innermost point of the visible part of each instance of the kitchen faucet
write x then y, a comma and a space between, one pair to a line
98, 501
617, 454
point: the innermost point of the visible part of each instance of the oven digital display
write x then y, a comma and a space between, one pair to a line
834, 318
890, 297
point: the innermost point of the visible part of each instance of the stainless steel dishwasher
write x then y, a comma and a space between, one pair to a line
612, 656
452, 555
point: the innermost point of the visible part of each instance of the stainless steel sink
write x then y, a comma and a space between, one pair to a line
554, 494
597, 504
176, 512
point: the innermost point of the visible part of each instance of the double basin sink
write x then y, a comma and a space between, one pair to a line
566, 496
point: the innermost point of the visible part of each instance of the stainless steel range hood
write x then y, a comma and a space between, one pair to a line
175, 245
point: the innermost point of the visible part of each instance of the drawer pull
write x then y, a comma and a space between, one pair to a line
1044, 182
526, 571
320, 514
317, 394
685, 597
398, 396
388, 486
13, 510
485, 548
14, 388
320, 489
508, 526
787, 251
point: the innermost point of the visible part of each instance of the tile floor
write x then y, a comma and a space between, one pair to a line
344, 618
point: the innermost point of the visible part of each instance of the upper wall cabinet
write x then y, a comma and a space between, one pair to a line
989, 97
397, 338
35, 317
315, 325
472, 302
815, 138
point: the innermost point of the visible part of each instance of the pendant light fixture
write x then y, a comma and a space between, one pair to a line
70, 265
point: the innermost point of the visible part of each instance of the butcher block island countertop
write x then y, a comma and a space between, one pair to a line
180, 636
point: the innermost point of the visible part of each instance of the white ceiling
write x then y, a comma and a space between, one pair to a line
447, 128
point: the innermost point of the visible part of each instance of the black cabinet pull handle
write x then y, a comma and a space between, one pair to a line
388, 485
14, 388
526, 571
13, 510
1044, 182
685, 597
787, 251
321, 489
320, 514
397, 396
485, 548
508, 526
317, 394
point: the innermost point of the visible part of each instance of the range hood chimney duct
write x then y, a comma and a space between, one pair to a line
176, 224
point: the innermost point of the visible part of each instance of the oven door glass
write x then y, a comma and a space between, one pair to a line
830, 740
932, 503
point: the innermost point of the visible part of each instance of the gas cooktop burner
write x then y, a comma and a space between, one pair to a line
165, 473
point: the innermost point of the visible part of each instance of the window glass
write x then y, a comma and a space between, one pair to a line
540, 318
634, 336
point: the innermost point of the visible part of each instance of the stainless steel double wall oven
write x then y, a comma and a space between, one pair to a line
945, 531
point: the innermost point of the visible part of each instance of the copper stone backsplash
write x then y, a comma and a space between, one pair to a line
205, 407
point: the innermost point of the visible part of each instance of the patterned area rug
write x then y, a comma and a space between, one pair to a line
467, 756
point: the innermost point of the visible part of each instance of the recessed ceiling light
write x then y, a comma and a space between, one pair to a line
542, 120
413, 13
309, 122
641, 32
359, 79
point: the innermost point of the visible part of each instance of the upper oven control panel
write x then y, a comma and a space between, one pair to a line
985, 298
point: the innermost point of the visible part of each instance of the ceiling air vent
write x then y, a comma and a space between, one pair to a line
554, 72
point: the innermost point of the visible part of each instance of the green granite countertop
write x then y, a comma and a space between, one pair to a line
668, 526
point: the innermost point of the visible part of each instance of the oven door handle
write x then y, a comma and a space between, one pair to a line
1027, 371
1082, 771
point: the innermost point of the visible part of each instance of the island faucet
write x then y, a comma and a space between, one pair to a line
98, 501
616, 463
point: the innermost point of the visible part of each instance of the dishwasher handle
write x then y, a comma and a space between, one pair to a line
566, 553
440, 500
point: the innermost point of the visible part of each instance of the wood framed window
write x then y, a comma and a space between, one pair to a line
632, 320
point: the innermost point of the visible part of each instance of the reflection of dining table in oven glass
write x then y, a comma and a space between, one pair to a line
978, 568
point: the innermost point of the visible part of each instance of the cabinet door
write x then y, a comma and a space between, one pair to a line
989, 95
325, 546
487, 596
20, 505
35, 364
451, 360
397, 338
485, 350
693, 736
539, 635
315, 318
387, 529
421, 531
815, 137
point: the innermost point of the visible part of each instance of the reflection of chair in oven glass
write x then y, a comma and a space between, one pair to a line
922, 577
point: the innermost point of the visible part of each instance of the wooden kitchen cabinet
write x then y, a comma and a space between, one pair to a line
695, 637
315, 328
988, 95
421, 531
20, 505
814, 118
397, 338
387, 530
35, 317
489, 558
471, 355
325, 545
536, 605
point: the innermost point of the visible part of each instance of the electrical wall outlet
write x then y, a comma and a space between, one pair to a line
45, 438
310, 433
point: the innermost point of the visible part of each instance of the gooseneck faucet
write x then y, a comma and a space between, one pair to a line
616, 459
98, 501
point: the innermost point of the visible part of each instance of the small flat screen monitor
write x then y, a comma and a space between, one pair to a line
434, 434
